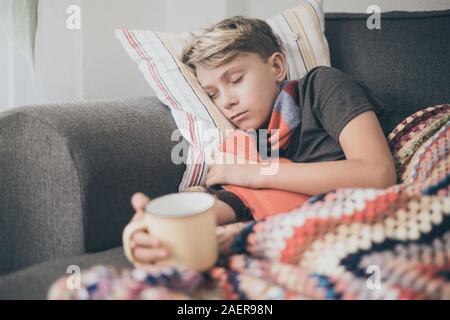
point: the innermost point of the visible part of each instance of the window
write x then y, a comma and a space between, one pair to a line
17, 79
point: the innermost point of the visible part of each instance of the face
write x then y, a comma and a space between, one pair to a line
245, 88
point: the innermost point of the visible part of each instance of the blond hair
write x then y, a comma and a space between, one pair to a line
223, 41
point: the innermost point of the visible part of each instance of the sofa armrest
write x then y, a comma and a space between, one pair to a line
68, 171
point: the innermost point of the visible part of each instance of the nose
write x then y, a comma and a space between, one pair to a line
229, 101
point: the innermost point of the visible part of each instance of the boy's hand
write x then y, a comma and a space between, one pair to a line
244, 175
146, 249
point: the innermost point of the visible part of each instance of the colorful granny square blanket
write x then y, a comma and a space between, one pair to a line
345, 244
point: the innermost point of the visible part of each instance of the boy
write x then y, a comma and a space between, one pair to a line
336, 140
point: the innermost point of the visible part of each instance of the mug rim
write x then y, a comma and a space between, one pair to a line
149, 210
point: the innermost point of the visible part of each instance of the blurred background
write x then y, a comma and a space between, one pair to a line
45, 60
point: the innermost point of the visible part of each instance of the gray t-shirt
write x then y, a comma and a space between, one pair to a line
328, 99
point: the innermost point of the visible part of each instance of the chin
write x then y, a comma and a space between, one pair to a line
249, 124
246, 126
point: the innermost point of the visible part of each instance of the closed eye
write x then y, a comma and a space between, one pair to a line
237, 80
212, 96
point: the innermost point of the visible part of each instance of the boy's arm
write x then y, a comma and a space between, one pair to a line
369, 163
224, 213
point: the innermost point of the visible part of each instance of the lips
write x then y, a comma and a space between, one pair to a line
237, 116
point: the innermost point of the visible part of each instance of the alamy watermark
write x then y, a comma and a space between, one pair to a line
73, 21
373, 282
374, 20
73, 281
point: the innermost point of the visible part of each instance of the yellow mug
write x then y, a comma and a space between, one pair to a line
185, 224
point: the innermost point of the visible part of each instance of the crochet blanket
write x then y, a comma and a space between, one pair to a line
345, 244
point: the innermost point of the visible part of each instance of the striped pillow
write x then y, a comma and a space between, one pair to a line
158, 56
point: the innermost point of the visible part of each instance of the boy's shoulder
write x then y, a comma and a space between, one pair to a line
323, 72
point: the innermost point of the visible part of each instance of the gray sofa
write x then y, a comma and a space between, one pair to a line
68, 171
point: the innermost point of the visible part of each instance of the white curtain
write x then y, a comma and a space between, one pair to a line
18, 25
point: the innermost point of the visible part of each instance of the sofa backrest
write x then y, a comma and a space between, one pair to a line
406, 63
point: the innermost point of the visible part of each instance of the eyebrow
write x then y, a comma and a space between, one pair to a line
226, 73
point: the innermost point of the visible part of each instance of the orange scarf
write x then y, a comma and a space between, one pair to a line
284, 119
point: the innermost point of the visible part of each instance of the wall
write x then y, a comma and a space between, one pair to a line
265, 8
58, 65
385, 5
108, 72
91, 64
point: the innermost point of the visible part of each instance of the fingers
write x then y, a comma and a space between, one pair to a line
139, 201
210, 175
147, 255
147, 249
138, 216
208, 181
144, 239
212, 179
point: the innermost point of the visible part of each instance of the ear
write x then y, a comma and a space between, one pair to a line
278, 64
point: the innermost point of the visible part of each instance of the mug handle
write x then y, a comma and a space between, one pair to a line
128, 232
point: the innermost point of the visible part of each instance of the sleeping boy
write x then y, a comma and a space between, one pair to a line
333, 140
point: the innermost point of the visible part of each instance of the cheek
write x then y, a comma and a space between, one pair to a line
258, 96
264, 100
258, 93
